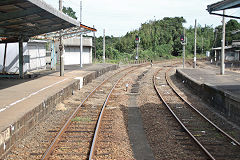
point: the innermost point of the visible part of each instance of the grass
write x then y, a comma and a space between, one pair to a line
81, 119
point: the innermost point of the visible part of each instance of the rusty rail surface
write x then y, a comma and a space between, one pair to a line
91, 155
194, 109
53, 144
65, 126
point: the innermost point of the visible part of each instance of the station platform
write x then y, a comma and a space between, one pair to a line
222, 92
25, 102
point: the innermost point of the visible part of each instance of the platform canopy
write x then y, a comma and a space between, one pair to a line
223, 5
28, 18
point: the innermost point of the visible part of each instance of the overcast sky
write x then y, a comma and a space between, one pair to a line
120, 16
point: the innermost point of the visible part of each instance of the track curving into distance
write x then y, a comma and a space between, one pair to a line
208, 136
76, 139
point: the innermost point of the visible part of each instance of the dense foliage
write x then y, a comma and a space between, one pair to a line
232, 27
69, 11
159, 39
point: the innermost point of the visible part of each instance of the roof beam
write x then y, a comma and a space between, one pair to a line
34, 20
222, 5
18, 14
8, 2
225, 15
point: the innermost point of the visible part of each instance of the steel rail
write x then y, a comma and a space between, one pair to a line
179, 121
94, 141
197, 111
65, 126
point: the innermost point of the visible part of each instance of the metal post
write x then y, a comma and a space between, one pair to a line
137, 52
61, 48
103, 45
184, 43
215, 56
81, 37
223, 46
53, 57
61, 45
4, 59
60, 5
21, 58
94, 41
195, 45
80, 11
81, 49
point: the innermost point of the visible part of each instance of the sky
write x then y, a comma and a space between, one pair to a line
118, 17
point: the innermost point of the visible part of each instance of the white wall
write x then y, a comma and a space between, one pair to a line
36, 51
12, 58
72, 55
72, 50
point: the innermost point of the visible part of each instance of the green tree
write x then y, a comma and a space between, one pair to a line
231, 27
161, 39
69, 11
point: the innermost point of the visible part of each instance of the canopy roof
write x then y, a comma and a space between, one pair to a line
222, 5
27, 18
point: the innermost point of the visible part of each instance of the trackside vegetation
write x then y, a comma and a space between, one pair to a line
160, 39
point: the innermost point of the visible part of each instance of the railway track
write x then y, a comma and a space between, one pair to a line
213, 141
76, 139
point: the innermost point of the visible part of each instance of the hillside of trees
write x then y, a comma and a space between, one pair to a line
161, 39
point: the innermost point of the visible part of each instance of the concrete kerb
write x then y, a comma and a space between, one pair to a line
223, 101
17, 130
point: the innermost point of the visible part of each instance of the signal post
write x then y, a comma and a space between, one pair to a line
137, 41
183, 42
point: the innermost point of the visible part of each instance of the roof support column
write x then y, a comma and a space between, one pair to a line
61, 48
223, 46
61, 45
4, 59
81, 50
21, 58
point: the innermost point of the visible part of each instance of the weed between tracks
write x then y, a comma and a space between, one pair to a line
81, 119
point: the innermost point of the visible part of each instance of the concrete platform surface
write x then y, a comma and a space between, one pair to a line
21, 94
24, 102
229, 82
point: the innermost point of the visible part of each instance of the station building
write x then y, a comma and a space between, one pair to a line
72, 50
231, 52
34, 57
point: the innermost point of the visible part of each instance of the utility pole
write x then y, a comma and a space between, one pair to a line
61, 47
223, 46
184, 43
81, 37
94, 41
103, 45
60, 5
195, 45
80, 11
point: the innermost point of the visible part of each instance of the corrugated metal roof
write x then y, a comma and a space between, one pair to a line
222, 5
27, 18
